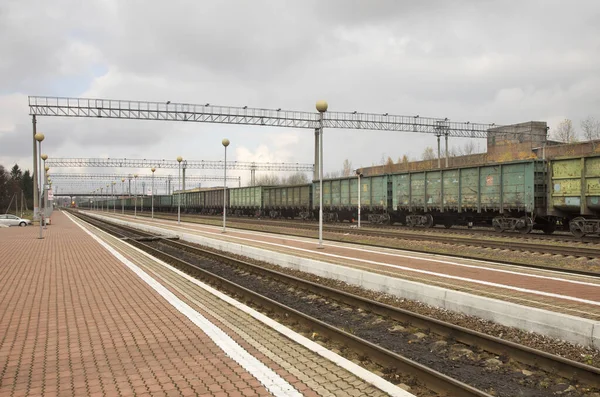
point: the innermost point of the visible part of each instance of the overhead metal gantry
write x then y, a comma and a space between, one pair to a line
102, 179
174, 164
207, 113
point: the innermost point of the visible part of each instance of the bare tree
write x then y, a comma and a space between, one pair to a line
347, 170
332, 175
298, 178
389, 165
591, 128
428, 154
565, 132
267, 180
403, 160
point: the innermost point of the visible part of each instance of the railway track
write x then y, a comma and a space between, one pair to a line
452, 382
543, 247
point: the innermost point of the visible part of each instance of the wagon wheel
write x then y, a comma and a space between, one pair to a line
497, 226
576, 227
525, 225
429, 220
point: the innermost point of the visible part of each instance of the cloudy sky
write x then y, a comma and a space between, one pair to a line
481, 61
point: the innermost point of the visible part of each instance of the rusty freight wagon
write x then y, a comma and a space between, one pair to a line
574, 193
507, 196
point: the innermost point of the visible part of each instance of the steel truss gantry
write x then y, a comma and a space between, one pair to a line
141, 177
207, 113
173, 164
185, 164
81, 183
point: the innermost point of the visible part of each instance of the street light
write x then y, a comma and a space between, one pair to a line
152, 169
112, 190
135, 196
321, 108
359, 175
225, 143
107, 201
122, 196
39, 137
102, 197
179, 160
49, 181
43, 193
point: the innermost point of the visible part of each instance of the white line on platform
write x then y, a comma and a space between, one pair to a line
269, 378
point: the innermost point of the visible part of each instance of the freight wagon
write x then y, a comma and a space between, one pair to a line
245, 201
288, 201
507, 196
340, 198
519, 195
574, 193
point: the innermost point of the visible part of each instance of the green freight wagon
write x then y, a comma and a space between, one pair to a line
246, 201
163, 202
574, 193
287, 201
213, 201
509, 196
340, 197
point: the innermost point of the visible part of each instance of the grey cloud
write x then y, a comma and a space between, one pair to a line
484, 61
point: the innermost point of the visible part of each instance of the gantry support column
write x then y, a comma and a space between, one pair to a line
446, 136
316, 170
439, 152
35, 172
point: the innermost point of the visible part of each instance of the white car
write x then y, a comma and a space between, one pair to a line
13, 220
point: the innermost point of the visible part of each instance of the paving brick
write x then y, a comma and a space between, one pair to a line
76, 321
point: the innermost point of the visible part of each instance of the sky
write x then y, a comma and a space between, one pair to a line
484, 61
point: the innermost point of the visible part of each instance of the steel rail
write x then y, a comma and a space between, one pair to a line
555, 364
516, 246
434, 380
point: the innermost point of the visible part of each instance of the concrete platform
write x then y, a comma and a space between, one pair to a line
548, 302
84, 314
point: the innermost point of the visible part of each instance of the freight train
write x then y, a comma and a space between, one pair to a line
519, 195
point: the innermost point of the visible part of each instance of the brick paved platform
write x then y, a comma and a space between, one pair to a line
74, 320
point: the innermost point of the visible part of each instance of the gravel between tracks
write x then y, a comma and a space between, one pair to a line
571, 351
457, 360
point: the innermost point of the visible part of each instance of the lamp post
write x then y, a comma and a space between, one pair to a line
359, 175
225, 143
135, 196
43, 192
46, 201
321, 108
179, 160
114, 197
39, 137
102, 197
152, 192
123, 195
107, 199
